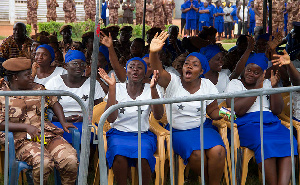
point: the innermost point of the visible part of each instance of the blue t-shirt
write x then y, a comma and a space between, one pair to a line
211, 11
204, 16
191, 14
252, 15
221, 17
249, 3
201, 4
183, 15
103, 12
285, 15
233, 13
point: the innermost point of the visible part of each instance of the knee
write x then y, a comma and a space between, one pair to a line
118, 160
195, 155
69, 163
217, 153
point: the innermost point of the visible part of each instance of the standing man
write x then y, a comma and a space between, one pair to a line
113, 11
258, 9
69, 7
103, 13
252, 18
128, 12
90, 9
211, 12
191, 8
51, 10
243, 25
32, 6
278, 16
168, 7
219, 20
149, 13
183, 18
204, 16
285, 17
228, 20
293, 13
139, 11
158, 14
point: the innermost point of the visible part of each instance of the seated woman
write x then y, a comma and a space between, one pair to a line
25, 118
76, 83
277, 149
187, 115
42, 70
122, 138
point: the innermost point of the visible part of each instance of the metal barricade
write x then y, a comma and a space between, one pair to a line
200, 98
85, 130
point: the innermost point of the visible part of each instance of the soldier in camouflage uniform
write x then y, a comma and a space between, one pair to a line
293, 8
90, 9
168, 6
278, 16
139, 11
25, 119
158, 14
32, 6
258, 9
122, 47
67, 43
149, 13
128, 12
113, 11
51, 10
69, 8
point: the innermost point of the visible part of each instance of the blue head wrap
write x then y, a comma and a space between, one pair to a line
73, 55
50, 49
259, 59
104, 50
146, 56
210, 51
203, 61
139, 59
265, 36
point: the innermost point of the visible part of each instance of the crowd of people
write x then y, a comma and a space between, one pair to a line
130, 70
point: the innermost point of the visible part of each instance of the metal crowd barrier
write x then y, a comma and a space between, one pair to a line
85, 131
200, 98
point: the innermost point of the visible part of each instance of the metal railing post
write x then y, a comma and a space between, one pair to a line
262, 140
171, 146
202, 144
232, 142
292, 141
6, 141
42, 139
139, 146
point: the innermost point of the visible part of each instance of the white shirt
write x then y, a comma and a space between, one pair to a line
127, 120
227, 10
187, 115
70, 106
57, 71
223, 80
236, 85
245, 13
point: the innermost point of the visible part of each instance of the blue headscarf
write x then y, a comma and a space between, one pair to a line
265, 36
146, 56
73, 55
50, 49
139, 59
104, 50
259, 59
210, 51
203, 61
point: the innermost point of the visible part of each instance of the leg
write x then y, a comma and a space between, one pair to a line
195, 163
284, 166
215, 162
30, 152
120, 168
65, 158
270, 171
146, 172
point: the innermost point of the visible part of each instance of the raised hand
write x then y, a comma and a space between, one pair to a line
281, 59
260, 81
34, 67
109, 80
158, 42
154, 79
250, 45
106, 40
274, 78
276, 41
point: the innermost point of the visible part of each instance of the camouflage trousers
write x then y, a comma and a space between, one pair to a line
277, 25
32, 17
67, 17
168, 14
58, 153
73, 16
149, 20
113, 16
51, 18
139, 18
90, 15
159, 18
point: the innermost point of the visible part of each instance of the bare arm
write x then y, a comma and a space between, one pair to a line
212, 110
158, 110
155, 46
276, 101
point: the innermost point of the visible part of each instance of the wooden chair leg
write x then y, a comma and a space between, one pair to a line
247, 155
110, 177
97, 174
181, 168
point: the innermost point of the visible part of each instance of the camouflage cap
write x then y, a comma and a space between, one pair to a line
154, 30
53, 39
42, 39
88, 34
17, 64
126, 28
66, 26
113, 28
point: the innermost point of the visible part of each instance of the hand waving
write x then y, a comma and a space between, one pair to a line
281, 59
274, 78
158, 42
106, 40
154, 79
109, 80
260, 81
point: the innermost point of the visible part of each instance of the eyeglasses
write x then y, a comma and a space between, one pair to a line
80, 64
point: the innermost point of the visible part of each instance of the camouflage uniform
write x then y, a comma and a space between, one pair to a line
293, 14
58, 152
90, 9
128, 13
69, 8
149, 14
9, 44
113, 11
32, 6
51, 10
278, 16
158, 14
139, 11
258, 5
168, 8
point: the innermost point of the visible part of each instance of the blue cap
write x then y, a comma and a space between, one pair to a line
203, 61
73, 55
104, 50
50, 49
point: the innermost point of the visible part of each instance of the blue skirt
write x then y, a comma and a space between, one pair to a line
276, 136
186, 141
126, 144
